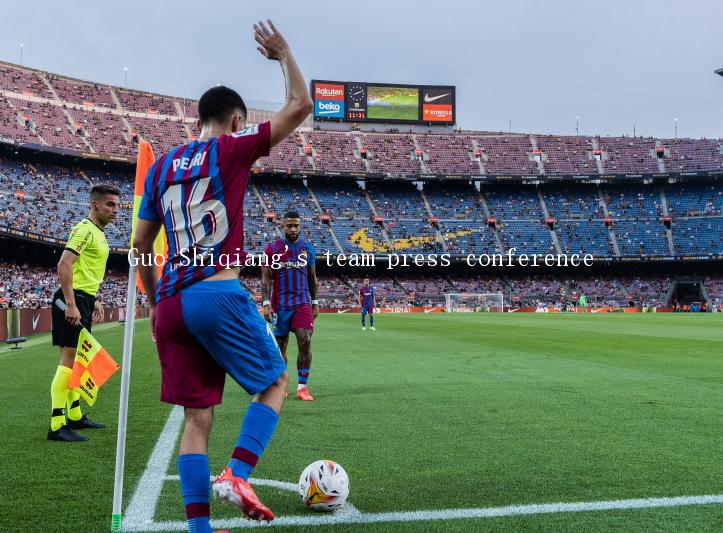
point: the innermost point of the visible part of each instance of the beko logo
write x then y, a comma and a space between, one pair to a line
326, 108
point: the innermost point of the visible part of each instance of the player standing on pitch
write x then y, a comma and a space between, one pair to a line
367, 302
289, 292
81, 270
204, 323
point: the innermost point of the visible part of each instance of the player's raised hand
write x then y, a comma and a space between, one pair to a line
267, 314
272, 43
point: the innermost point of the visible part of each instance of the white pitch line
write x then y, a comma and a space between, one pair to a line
448, 514
142, 508
283, 485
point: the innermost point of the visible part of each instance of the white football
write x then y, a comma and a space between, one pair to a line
324, 486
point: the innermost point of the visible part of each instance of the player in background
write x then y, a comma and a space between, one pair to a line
583, 303
289, 292
204, 323
81, 270
367, 302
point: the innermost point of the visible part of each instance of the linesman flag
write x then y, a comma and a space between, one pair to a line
92, 367
143, 164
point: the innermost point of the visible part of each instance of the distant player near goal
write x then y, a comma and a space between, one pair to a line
289, 292
466, 302
367, 302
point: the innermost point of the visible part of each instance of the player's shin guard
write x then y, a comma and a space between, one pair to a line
256, 431
196, 490
59, 396
371, 321
364, 320
74, 412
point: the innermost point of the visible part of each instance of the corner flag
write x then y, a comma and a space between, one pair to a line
92, 367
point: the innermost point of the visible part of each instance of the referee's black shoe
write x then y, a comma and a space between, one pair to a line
84, 423
65, 434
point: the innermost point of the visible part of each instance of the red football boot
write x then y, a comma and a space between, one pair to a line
303, 394
236, 491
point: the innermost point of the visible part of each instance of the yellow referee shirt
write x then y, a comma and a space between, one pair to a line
87, 241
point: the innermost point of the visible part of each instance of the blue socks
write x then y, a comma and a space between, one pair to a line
196, 491
256, 431
303, 375
364, 320
371, 321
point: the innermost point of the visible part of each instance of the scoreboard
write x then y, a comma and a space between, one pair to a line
354, 101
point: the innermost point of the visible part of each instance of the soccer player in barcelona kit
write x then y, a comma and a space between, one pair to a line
81, 270
367, 302
204, 323
289, 293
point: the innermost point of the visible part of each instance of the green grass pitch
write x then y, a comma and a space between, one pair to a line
429, 412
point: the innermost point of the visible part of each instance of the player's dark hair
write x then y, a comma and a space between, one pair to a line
218, 104
291, 214
101, 189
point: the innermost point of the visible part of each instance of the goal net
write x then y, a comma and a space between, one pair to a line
470, 302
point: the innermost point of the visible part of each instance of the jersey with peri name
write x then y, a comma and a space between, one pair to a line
197, 190
367, 294
289, 263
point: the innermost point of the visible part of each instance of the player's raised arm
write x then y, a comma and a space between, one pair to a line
273, 46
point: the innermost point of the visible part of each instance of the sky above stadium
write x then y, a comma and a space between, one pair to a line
529, 65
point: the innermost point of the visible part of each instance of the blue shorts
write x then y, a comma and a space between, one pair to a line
206, 331
367, 310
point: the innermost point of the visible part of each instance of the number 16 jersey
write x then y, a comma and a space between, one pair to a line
197, 191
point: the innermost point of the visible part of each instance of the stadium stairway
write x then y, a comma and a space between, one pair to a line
422, 163
339, 249
541, 161
420, 186
596, 146
309, 157
553, 233
359, 145
611, 233
376, 214
668, 232
486, 211
476, 148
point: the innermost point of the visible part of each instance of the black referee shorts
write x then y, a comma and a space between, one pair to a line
64, 333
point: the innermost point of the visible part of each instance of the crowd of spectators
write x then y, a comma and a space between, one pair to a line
30, 286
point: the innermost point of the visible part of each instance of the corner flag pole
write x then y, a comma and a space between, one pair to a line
120, 449
143, 164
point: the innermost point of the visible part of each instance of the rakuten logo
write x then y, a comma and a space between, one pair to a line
328, 93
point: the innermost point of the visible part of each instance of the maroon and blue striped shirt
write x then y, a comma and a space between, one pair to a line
289, 263
197, 190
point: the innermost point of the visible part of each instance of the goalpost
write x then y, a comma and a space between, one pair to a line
473, 302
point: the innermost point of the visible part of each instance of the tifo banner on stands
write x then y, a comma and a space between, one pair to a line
25, 322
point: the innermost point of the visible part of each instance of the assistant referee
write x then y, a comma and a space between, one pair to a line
81, 270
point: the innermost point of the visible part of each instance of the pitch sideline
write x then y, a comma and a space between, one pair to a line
141, 510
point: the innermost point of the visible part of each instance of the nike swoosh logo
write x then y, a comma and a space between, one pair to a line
426, 311
35, 321
428, 98
340, 311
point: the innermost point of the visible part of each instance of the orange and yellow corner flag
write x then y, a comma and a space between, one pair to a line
92, 367
143, 165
